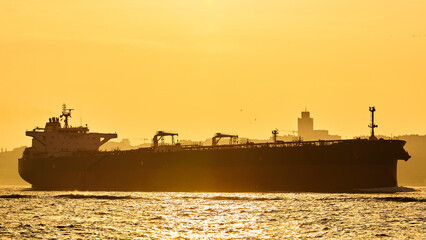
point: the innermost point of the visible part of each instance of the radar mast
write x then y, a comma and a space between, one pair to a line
66, 113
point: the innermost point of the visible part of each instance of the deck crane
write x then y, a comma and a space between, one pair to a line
160, 136
218, 136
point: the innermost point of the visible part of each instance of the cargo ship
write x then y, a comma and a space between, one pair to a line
63, 157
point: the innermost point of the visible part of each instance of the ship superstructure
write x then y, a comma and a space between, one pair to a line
67, 158
56, 139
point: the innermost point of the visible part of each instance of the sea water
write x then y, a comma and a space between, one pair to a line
184, 215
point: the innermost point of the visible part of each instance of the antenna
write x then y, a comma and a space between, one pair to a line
372, 125
275, 132
66, 113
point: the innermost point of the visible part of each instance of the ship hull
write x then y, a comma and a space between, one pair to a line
337, 167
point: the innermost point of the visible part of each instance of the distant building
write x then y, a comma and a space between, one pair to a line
305, 125
124, 144
305, 129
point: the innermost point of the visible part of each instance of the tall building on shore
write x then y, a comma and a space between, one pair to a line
306, 129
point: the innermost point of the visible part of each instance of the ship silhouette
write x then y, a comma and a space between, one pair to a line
68, 158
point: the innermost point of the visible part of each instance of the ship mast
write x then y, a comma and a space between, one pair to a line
275, 133
372, 125
66, 113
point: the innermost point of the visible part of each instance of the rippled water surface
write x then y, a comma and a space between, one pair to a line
161, 215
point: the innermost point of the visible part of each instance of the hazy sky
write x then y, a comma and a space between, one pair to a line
200, 67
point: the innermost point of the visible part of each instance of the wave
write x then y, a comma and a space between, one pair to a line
102, 197
400, 199
385, 190
233, 198
14, 196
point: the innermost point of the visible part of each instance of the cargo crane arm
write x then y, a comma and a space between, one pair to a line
218, 136
161, 134
105, 137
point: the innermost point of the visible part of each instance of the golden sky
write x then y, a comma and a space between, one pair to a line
200, 67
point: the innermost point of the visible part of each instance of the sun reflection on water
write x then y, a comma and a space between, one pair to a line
157, 215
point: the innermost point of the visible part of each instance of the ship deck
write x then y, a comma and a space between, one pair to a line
259, 145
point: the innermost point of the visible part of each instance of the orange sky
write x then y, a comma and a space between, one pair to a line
200, 67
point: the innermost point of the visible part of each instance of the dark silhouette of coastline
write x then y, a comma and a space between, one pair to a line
9, 167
